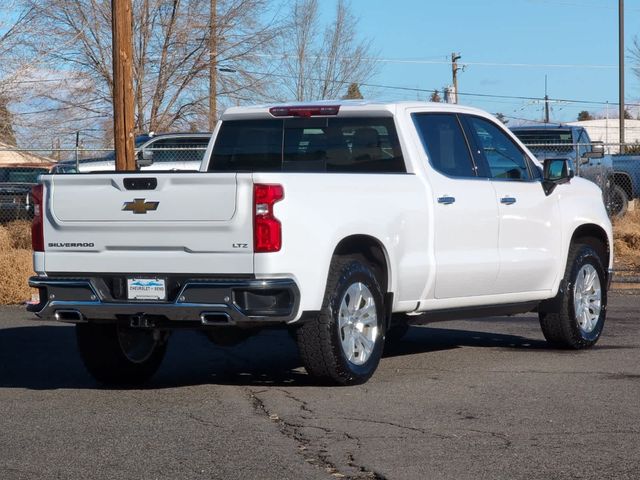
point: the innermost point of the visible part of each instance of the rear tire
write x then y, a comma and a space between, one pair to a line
580, 319
116, 355
344, 343
618, 202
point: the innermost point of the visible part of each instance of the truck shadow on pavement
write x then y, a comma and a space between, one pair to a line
45, 357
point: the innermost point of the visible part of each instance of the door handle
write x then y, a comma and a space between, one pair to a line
508, 200
446, 200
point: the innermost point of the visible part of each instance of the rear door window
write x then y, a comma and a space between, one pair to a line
347, 145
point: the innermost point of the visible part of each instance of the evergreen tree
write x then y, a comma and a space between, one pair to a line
584, 115
353, 92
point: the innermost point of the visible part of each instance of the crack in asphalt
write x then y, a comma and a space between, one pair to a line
503, 437
397, 425
312, 454
201, 420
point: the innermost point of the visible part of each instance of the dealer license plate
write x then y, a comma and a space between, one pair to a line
146, 289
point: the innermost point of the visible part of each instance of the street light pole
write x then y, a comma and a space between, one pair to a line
621, 70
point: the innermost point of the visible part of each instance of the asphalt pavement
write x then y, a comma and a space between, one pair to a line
453, 400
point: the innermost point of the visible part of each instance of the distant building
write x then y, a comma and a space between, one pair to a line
9, 155
608, 131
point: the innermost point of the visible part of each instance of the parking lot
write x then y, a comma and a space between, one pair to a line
453, 400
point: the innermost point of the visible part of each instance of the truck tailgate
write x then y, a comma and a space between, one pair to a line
149, 223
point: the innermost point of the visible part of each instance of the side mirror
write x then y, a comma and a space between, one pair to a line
597, 150
556, 171
144, 158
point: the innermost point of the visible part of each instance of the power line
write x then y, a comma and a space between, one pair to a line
447, 61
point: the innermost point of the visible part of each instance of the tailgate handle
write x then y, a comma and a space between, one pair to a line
140, 183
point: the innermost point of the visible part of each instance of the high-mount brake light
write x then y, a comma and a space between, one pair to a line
305, 111
37, 226
267, 230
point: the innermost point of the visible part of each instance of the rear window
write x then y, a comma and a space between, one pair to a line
558, 140
347, 145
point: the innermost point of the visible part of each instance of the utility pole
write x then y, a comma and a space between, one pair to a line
123, 128
213, 66
621, 70
454, 70
546, 102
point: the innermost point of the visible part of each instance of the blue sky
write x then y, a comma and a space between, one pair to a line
581, 33
507, 47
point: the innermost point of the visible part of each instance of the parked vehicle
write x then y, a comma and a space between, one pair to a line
16, 181
618, 175
166, 151
342, 222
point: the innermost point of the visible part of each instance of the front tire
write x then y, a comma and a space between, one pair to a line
118, 355
344, 343
580, 319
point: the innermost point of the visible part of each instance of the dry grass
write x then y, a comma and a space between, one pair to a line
20, 234
626, 234
5, 240
16, 264
15, 267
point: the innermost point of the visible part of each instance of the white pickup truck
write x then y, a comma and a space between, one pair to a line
343, 222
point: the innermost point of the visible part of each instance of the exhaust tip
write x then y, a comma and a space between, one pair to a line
215, 318
69, 316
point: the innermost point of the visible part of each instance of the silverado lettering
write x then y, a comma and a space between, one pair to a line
71, 245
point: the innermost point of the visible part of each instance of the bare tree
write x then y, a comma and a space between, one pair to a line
14, 66
171, 57
321, 62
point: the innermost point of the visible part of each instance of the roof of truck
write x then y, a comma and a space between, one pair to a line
546, 126
347, 106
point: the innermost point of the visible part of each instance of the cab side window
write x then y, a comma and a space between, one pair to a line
445, 144
506, 161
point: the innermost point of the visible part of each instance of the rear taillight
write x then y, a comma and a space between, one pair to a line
37, 227
267, 230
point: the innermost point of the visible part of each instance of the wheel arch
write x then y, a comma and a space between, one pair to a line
374, 252
595, 236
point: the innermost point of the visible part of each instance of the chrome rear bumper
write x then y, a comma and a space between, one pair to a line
204, 302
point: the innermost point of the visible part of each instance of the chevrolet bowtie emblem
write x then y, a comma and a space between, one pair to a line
140, 206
